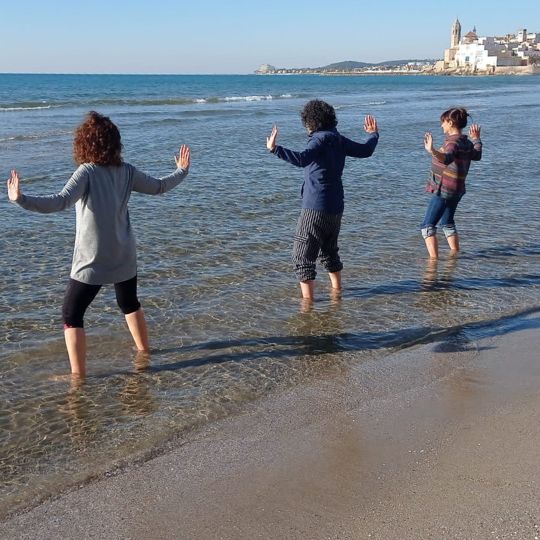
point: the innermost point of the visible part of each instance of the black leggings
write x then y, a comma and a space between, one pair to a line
80, 295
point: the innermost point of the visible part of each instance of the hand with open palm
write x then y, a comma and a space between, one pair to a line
183, 160
271, 141
13, 185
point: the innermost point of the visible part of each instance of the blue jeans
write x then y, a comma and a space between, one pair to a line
440, 211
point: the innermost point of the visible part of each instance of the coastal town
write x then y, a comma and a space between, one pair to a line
468, 54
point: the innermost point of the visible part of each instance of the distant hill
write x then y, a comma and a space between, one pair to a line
351, 64
405, 62
346, 65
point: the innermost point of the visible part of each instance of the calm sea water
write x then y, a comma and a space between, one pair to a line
226, 322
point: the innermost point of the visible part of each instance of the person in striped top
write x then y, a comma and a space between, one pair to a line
449, 167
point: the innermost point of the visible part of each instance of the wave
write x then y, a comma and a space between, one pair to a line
35, 136
26, 108
248, 98
143, 102
356, 105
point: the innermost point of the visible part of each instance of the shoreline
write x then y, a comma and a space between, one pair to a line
430, 438
413, 74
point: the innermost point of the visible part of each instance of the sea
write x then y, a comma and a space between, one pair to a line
227, 325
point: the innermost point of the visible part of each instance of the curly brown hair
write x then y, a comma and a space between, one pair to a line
97, 140
318, 115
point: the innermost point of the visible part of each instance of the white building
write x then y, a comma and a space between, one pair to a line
265, 68
484, 54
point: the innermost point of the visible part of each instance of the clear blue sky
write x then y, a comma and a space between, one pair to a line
236, 36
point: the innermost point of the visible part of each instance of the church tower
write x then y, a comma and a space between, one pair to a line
456, 33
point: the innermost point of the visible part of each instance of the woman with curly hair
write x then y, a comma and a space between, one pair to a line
323, 161
104, 244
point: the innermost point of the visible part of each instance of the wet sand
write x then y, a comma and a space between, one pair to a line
436, 441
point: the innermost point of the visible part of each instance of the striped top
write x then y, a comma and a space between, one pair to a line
447, 177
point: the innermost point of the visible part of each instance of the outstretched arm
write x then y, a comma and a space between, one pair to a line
359, 150
70, 194
299, 159
144, 183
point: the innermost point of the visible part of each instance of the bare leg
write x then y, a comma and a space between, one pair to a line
453, 242
307, 288
139, 332
335, 280
432, 246
76, 347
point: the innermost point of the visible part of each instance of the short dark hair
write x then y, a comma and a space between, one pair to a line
457, 116
97, 140
318, 115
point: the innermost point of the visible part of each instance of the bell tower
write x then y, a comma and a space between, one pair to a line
456, 33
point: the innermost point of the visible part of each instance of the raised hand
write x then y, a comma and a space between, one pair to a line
428, 141
370, 124
184, 158
474, 132
271, 141
14, 190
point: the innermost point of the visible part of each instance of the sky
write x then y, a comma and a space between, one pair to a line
237, 36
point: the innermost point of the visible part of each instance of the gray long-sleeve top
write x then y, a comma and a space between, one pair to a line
104, 244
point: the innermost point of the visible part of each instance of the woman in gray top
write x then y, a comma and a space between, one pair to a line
104, 244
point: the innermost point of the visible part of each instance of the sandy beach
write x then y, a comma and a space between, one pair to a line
436, 441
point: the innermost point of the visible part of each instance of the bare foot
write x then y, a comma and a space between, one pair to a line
142, 360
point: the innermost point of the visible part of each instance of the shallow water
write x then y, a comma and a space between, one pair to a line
214, 255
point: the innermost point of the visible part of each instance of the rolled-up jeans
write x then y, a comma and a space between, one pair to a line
440, 211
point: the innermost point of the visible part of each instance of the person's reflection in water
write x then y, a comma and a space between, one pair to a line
437, 297
316, 332
432, 280
306, 305
135, 395
336, 295
82, 422
430, 277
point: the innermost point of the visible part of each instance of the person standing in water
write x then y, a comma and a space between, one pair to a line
323, 161
449, 167
105, 250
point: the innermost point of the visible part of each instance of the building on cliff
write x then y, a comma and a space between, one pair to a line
473, 54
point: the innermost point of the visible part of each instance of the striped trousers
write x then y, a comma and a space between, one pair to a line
316, 234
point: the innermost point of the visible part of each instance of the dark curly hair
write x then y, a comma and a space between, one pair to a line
97, 140
318, 115
457, 116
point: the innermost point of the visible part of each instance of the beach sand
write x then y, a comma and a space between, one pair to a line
436, 441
